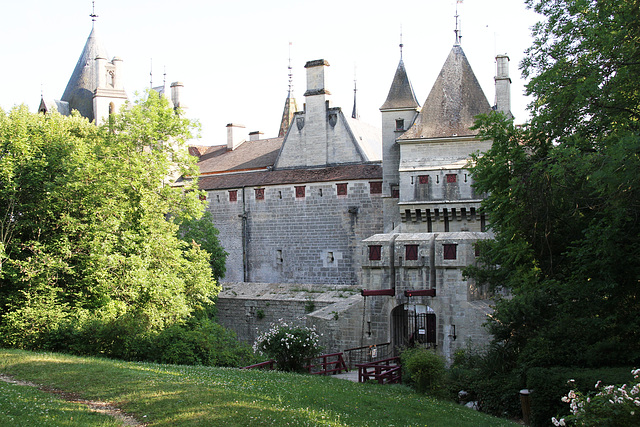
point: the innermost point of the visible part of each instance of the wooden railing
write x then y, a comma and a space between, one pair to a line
325, 366
269, 365
387, 371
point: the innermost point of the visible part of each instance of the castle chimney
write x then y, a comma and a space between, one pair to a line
316, 73
503, 85
256, 135
176, 95
233, 136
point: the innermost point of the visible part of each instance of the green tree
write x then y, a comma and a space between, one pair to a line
87, 213
563, 193
202, 232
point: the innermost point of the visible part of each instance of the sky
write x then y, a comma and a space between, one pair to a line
233, 56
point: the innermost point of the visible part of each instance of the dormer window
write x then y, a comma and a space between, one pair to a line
399, 125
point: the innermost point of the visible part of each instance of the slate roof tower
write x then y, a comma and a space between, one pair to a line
398, 114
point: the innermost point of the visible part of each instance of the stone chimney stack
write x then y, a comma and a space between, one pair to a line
316, 94
256, 135
176, 95
233, 136
503, 85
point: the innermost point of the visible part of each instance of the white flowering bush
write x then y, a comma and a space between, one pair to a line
610, 406
289, 345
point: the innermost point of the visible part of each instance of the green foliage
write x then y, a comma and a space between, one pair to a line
564, 194
201, 342
203, 232
608, 405
549, 385
86, 241
288, 345
488, 377
424, 370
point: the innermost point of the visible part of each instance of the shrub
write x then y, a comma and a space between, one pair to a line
548, 385
610, 406
288, 345
424, 370
201, 342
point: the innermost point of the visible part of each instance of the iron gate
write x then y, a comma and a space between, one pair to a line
410, 328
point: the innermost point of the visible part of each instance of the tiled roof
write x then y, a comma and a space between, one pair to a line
401, 93
249, 155
455, 99
370, 171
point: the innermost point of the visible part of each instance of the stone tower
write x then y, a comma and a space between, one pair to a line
398, 114
95, 88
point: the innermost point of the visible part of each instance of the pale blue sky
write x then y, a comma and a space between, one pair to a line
232, 56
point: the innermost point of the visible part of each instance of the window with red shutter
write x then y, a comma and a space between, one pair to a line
375, 252
450, 251
233, 195
259, 193
300, 191
375, 187
411, 252
452, 177
423, 179
342, 189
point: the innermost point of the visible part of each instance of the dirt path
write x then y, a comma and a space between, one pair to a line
93, 405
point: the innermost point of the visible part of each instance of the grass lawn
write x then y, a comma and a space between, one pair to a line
169, 395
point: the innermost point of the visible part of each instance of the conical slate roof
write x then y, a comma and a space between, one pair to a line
401, 92
82, 84
455, 99
290, 107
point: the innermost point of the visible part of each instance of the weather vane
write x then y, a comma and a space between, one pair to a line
93, 12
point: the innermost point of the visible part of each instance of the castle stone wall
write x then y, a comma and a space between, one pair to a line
290, 239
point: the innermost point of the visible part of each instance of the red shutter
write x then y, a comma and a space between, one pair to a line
375, 187
450, 251
375, 252
259, 193
300, 191
423, 179
342, 189
233, 195
452, 177
411, 252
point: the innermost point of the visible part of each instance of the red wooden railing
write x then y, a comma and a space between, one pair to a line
327, 367
269, 364
387, 371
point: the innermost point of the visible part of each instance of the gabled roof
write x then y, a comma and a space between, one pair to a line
455, 99
79, 91
401, 93
250, 155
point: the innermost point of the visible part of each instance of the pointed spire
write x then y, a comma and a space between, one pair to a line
401, 93
354, 114
82, 84
290, 105
454, 101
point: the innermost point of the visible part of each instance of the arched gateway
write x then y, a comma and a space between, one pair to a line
413, 325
